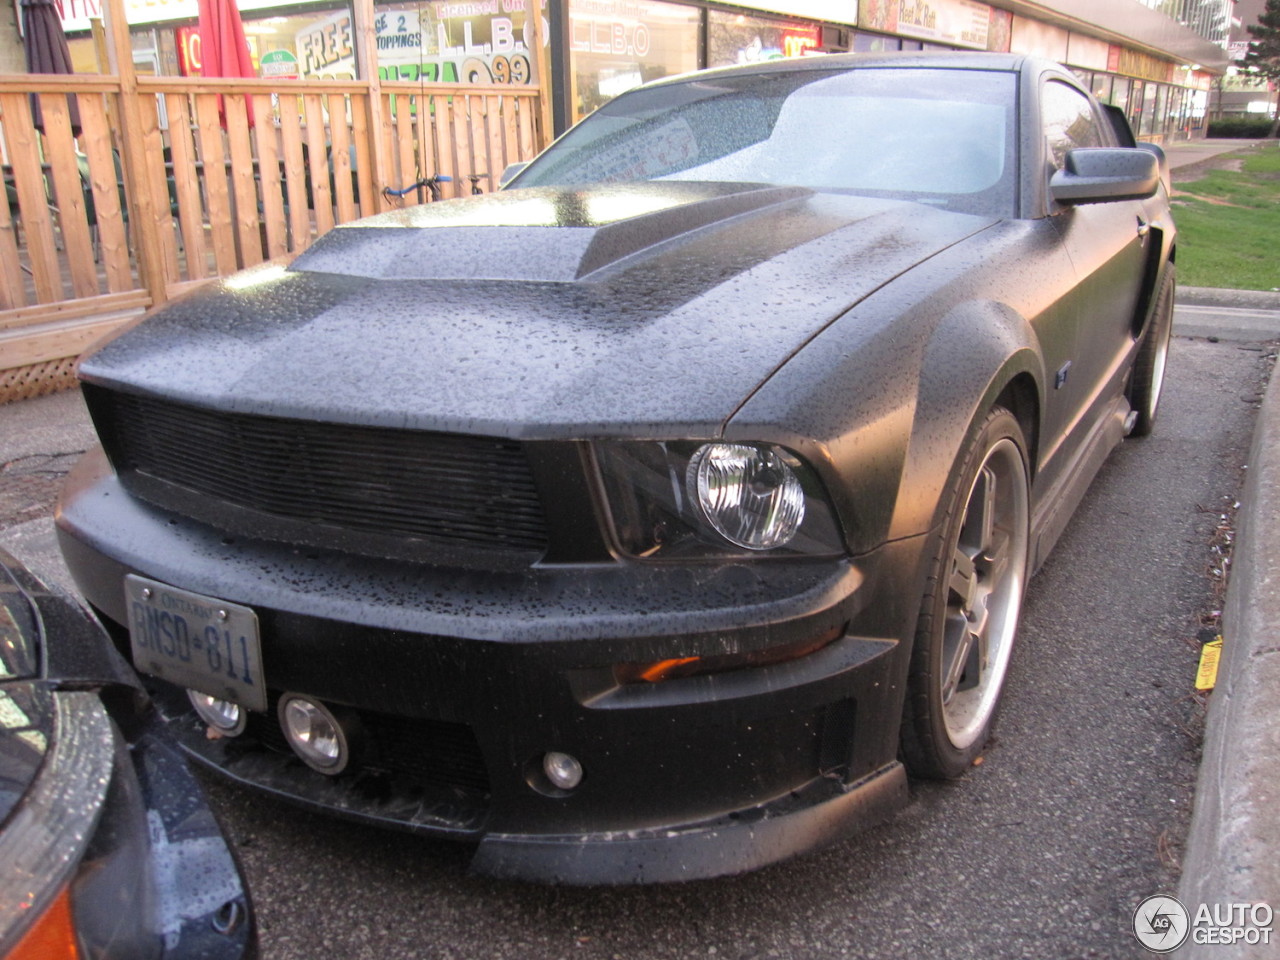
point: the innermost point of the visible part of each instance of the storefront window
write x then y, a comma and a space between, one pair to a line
619, 44
316, 45
1149, 110
874, 43
736, 38
1135, 106
1120, 94
1158, 112
1175, 110
446, 42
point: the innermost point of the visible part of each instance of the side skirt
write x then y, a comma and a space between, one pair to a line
1055, 507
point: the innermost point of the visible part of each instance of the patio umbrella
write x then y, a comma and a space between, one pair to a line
224, 52
46, 48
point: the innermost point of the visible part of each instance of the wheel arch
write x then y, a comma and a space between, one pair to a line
1163, 252
1021, 397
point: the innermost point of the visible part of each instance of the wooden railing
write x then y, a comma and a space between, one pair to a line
197, 178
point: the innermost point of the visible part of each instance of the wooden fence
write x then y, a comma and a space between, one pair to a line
173, 181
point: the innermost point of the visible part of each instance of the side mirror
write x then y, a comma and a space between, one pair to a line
1102, 174
509, 173
1160, 155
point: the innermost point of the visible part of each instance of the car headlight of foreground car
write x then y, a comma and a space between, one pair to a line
679, 499
46, 837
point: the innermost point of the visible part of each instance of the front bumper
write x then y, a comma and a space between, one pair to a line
466, 679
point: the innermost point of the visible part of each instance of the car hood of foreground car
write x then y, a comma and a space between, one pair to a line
546, 312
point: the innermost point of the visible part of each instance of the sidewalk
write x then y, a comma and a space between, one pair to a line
1185, 153
1233, 848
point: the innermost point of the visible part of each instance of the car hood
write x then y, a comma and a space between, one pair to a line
650, 309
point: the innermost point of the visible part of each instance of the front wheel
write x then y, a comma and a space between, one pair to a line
969, 614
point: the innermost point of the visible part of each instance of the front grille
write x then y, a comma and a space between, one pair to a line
463, 490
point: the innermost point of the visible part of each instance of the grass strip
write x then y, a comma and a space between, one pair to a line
1229, 225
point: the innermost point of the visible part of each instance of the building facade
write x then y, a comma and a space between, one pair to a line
1156, 59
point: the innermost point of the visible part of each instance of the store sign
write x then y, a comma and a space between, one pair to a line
278, 65
190, 63
1000, 33
962, 23
1135, 64
326, 48
76, 14
795, 43
450, 42
879, 15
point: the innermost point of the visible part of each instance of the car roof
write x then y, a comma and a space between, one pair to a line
937, 60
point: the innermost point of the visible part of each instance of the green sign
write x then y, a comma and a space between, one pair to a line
278, 65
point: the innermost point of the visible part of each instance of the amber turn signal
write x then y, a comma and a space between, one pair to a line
659, 670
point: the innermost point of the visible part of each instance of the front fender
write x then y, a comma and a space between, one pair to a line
881, 410
980, 352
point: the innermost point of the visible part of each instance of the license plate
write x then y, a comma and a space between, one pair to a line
195, 641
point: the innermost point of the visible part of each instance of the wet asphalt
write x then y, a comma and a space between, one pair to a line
1078, 811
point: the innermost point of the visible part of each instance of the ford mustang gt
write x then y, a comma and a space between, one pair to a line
654, 517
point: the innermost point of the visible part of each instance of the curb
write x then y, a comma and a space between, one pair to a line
1223, 297
1231, 854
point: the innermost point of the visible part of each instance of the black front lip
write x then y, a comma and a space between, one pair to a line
705, 768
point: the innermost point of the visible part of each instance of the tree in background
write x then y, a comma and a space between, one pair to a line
1263, 58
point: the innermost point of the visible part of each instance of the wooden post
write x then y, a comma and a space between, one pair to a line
134, 160
367, 63
546, 132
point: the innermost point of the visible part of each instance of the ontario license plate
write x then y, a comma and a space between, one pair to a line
195, 641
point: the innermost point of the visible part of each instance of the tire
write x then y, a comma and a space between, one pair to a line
973, 597
1153, 353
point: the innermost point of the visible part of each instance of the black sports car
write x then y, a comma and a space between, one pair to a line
107, 847
653, 517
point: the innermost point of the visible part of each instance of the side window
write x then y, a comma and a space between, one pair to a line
1069, 121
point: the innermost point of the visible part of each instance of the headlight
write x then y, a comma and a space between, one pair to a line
688, 500
748, 494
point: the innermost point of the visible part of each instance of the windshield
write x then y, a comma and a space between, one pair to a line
936, 136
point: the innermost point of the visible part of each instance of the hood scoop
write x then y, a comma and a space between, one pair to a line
548, 234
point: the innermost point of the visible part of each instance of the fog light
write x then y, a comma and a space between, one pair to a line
563, 770
225, 717
316, 734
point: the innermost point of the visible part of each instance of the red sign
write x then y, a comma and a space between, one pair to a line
189, 62
795, 44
